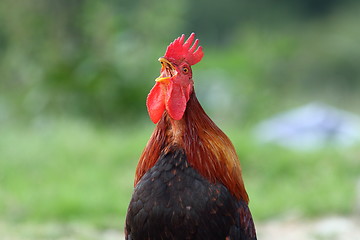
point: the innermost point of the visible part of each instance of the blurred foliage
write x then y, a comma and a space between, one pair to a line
98, 58
84, 57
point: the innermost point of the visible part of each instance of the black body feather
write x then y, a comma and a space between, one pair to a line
173, 201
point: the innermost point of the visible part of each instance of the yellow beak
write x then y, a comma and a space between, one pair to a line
166, 70
162, 79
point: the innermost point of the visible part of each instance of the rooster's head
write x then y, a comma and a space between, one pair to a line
174, 85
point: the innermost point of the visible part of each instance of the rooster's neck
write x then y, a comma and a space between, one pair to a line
176, 131
207, 148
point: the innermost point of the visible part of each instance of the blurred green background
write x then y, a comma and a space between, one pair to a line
75, 76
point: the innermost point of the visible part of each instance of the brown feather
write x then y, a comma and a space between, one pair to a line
207, 148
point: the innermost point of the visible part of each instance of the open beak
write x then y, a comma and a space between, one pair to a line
167, 71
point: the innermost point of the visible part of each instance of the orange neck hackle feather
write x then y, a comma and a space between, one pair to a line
207, 148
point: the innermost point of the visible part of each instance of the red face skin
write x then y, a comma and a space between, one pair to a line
174, 85
171, 91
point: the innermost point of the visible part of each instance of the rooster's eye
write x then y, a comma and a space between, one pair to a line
185, 70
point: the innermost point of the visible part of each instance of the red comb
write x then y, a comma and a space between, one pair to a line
180, 51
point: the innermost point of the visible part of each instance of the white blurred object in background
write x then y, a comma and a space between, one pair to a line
310, 127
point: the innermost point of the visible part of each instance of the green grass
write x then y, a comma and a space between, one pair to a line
310, 184
67, 171
70, 170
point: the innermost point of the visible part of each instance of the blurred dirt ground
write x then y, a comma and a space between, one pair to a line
332, 228
329, 228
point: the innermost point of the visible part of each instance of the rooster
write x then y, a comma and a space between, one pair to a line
188, 182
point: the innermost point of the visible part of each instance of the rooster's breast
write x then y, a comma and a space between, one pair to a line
173, 201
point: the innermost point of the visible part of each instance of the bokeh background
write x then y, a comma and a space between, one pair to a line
74, 76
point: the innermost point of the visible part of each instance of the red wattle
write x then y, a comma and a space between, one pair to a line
176, 99
155, 103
